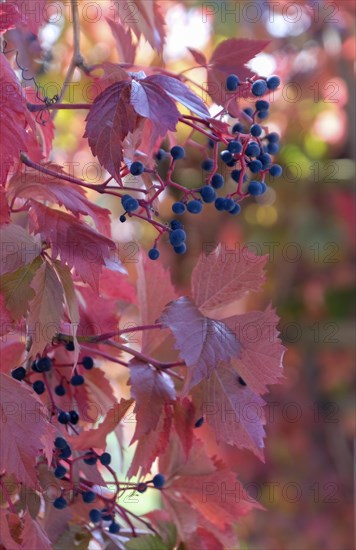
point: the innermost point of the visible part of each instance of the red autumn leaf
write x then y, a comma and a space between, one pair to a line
151, 389
181, 93
18, 248
33, 535
33, 14
116, 285
199, 57
110, 119
4, 207
184, 421
224, 276
9, 16
232, 410
123, 39
43, 129
202, 342
96, 437
144, 17
97, 314
12, 352
25, 429
6, 318
260, 360
6, 539
77, 244
49, 188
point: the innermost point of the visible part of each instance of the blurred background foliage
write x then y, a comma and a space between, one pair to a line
305, 222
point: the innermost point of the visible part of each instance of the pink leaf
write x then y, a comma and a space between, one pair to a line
184, 421
123, 39
33, 534
6, 539
33, 14
224, 276
110, 119
9, 16
202, 342
151, 389
145, 18
199, 57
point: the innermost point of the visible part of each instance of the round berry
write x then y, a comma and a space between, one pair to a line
236, 210
256, 130
273, 137
194, 206
181, 249
255, 166
161, 154
105, 459
276, 170
273, 82
74, 417
66, 452
44, 364
207, 165
226, 156
262, 105
259, 87
273, 148
129, 203
176, 224
229, 204
231, 163
234, 147
95, 515
208, 194
114, 527
255, 188
217, 181
63, 417
77, 380
199, 422
39, 387
177, 152
60, 390
248, 111
252, 149
90, 459
235, 174
60, 503
60, 472
122, 218
264, 187
87, 362
137, 168
211, 143
232, 82
237, 128
178, 208
265, 159
60, 443
263, 114
158, 481
88, 497
177, 237
220, 204
70, 346
106, 515
19, 373
153, 254
141, 487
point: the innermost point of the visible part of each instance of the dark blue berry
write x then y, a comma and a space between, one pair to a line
153, 254
255, 188
177, 152
176, 224
177, 237
66, 452
263, 187
60, 503
241, 381
234, 147
19, 373
232, 82
122, 218
60, 472
266, 160
178, 208
220, 204
226, 156
95, 515
87, 362
106, 515
39, 387
105, 459
44, 364
74, 417
229, 204
273, 137
276, 170
161, 154
273, 82
60, 390
273, 148
70, 346
90, 459
211, 143
88, 497
60, 443
255, 166
207, 165
248, 111
237, 128
235, 174
137, 168
263, 114
231, 163
199, 422
159, 481
130, 204
63, 417
259, 87
181, 249
217, 181
114, 527
252, 149
77, 380
141, 487
236, 210
262, 105
256, 130
194, 206
208, 194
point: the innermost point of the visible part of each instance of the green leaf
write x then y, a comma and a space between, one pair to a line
147, 542
75, 538
17, 290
